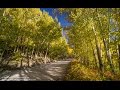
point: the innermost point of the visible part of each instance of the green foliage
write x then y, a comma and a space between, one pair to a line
28, 32
58, 49
94, 36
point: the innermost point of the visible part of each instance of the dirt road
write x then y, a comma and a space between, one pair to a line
45, 72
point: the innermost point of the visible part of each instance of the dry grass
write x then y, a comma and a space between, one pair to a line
76, 71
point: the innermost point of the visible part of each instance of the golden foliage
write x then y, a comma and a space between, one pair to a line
77, 71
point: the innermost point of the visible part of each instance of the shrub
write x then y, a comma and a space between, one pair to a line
77, 71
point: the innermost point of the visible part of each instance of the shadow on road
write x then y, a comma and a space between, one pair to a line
44, 72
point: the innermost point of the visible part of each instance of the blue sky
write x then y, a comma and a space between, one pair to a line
61, 18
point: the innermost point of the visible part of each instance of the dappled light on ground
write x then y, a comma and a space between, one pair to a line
45, 72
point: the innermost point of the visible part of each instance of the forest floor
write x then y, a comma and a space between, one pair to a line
54, 71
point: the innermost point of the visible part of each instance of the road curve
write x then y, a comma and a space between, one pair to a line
45, 72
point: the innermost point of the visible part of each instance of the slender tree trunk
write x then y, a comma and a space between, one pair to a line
98, 53
95, 58
108, 55
32, 56
45, 61
1, 61
87, 58
107, 50
94, 54
28, 61
7, 62
21, 63
119, 55
99, 57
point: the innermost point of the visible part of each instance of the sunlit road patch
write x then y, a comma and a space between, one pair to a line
44, 72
